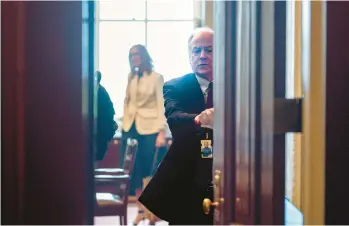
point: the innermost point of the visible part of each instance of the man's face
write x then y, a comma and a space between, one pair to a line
206, 144
135, 57
201, 54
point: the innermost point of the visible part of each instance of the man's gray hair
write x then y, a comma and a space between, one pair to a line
195, 32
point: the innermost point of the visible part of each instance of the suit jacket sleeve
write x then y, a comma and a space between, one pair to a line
179, 121
160, 103
127, 95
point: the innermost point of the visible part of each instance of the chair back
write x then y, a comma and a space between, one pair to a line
130, 155
129, 160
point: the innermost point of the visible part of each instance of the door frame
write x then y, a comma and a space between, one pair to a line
224, 97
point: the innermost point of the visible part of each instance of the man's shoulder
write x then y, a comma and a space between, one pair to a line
102, 92
180, 80
104, 98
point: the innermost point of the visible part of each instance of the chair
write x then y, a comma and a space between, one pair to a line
120, 171
112, 156
115, 203
109, 170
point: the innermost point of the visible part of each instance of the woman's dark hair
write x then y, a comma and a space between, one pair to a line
147, 62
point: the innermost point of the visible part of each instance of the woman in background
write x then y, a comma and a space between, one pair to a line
144, 117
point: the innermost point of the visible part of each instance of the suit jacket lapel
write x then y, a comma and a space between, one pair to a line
196, 92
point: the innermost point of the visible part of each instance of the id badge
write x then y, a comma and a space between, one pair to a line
206, 148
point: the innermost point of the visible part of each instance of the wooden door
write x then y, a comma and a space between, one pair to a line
224, 99
272, 132
251, 111
47, 145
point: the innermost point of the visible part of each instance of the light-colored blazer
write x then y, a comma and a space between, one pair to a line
144, 104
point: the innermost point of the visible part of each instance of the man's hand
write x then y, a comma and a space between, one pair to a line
205, 119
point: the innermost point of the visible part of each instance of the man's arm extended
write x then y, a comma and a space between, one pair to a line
178, 120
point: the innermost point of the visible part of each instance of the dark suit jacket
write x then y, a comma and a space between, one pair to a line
106, 126
177, 189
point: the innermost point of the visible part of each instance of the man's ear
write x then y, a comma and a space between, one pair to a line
97, 80
98, 77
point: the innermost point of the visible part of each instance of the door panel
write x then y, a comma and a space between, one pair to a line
273, 72
336, 17
49, 152
245, 175
250, 73
224, 99
12, 115
58, 127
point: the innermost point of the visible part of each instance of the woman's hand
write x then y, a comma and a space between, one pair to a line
160, 139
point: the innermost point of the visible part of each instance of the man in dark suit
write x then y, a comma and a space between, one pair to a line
183, 179
106, 126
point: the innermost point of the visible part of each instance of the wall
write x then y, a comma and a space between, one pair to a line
298, 92
208, 10
203, 13
313, 72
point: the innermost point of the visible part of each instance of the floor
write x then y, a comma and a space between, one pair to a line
292, 216
132, 213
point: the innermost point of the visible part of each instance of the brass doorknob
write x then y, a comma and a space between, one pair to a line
207, 204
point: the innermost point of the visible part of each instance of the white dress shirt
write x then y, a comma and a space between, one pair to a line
203, 83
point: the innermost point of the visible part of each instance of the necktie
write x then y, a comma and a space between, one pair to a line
209, 91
